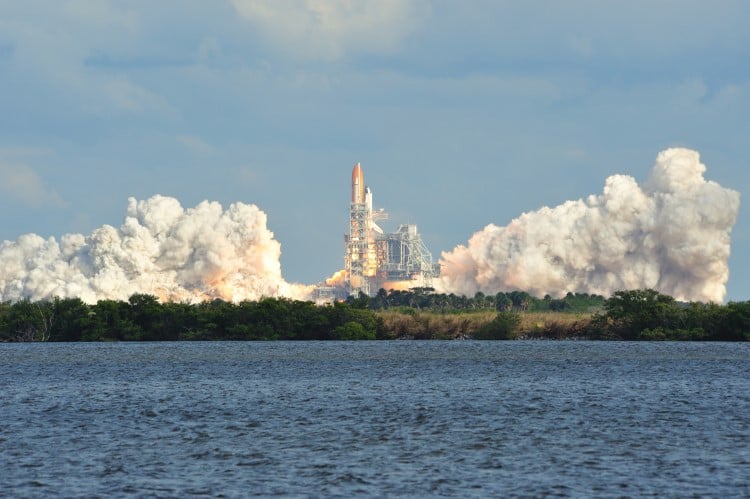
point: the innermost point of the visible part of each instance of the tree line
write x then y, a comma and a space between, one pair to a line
518, 301
143, 318
646, 314
420, 313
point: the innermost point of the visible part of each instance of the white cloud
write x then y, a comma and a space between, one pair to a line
21, 183
332, 29
125, 95
51, 56
196, 145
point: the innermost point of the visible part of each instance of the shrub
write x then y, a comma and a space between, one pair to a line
502, 327
352, 331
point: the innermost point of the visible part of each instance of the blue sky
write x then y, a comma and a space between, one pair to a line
461, 113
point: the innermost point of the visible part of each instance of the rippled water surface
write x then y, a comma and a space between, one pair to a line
375, 418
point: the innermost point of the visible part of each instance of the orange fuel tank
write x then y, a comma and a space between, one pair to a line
358, 184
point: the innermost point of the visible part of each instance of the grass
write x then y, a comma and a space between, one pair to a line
435, 325
553, 324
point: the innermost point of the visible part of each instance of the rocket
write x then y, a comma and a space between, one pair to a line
358, 184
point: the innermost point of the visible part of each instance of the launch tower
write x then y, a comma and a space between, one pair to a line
374, 259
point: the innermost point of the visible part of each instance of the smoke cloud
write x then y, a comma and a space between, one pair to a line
161, 249
671, 234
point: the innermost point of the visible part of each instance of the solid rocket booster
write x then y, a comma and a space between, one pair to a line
358, 184
368, 199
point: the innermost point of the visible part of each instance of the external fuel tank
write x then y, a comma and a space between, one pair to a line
358, 184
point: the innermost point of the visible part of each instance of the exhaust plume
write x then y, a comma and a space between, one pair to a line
671, 234
197, 254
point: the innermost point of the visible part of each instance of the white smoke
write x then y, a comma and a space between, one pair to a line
671, 234
161, 249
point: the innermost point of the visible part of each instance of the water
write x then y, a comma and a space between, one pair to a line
375, 418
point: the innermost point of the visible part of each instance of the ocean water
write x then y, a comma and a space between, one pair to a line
400, 418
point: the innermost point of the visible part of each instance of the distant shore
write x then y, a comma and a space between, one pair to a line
636, 315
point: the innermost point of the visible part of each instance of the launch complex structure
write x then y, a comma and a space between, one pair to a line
375, 259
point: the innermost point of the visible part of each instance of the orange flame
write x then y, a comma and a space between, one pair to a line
337, 279
398, 285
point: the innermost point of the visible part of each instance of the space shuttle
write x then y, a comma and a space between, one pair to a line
362, 194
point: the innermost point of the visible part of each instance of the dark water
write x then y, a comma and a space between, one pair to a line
375, 418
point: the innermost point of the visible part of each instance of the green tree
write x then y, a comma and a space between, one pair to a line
503, 327
628, 313
110, 321
72, 318
146, 313
520, 300
30, 321
5, 333
737, 322
353, 331
503, 303
361, 301
380, 300
558, 305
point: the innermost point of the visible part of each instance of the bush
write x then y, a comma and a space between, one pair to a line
655, 334
502, 327
353, 331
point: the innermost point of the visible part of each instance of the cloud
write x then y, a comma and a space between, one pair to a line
332, 29
194, 254
52, 54
672, 234
124, 95
195, 145
21, 183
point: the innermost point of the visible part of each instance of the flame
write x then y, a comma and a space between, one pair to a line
337, 279
399, 285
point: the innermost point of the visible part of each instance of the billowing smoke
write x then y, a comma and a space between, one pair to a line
671, 234
161, 249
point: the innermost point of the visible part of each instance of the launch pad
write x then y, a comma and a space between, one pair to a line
375, 259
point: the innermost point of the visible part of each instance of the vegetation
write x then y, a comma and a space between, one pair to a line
518, 301
417, 314
503, 327
648, 315
143, 318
